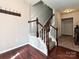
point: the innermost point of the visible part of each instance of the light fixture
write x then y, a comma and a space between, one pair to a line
68, 10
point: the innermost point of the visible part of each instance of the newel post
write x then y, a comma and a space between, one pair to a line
57, 35
37, 33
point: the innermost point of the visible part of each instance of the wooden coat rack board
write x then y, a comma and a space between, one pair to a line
10, 12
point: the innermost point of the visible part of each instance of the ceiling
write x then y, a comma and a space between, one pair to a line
60, 4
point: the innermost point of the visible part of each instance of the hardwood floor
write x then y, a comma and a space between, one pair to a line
25, 52
29, 52
63, 53
68, 42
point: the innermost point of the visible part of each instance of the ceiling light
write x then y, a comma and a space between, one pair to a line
68, 10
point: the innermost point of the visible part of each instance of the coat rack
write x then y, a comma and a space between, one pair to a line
10, 12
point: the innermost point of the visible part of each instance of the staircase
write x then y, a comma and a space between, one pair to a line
43, 33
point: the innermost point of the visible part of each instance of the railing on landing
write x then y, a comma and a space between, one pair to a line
44, 32
56, 33
37, 28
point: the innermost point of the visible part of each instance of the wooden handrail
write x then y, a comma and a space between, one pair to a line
43, 26
56, 33
40, 24
37, 23
32, 21
53, 27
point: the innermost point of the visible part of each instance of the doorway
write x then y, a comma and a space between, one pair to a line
67, 26
66, 40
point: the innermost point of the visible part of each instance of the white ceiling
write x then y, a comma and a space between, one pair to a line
60, 4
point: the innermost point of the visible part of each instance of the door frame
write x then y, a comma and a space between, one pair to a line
67, 19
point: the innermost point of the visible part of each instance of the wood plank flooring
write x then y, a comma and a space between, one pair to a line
29, 52
63, 53
25, 52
